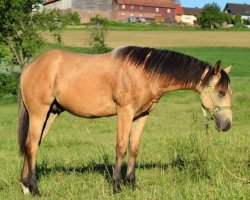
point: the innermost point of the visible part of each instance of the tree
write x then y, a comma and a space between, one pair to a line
98, 32
211, 16
237, 19
20, 27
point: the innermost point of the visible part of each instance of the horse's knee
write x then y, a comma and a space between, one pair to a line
133, 151
121, 150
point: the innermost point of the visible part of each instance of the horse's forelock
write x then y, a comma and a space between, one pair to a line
223, 82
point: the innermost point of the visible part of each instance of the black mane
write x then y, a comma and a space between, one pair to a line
181, 68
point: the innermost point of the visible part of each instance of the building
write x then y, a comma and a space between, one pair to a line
190, 15
179, 12
116, 9
148, 9
85, 8
234, 9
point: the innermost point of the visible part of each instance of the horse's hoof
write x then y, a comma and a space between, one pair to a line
35, 192
117, 189
26, 190
131, 182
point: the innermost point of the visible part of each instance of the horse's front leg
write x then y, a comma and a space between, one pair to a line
125, 117
135, 134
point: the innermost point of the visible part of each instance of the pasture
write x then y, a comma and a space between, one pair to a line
160, 39
75, 160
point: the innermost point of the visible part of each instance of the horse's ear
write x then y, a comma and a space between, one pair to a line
217, 67
228, 69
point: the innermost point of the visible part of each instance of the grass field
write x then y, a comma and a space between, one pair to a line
174, 160
80, 38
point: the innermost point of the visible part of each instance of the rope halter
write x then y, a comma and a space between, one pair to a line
215, 108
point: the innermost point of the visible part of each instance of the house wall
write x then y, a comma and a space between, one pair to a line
85, 8
178, 18
62, 4
86, 15
125, 11
103, 5
189, 19
245, 17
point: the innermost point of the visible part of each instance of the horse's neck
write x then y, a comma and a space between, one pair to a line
172, 85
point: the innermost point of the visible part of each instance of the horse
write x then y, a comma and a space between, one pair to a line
127, 82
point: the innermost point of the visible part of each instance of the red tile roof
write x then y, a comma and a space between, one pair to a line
154, 3
179, 10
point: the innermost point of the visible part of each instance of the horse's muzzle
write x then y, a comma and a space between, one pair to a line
222, 123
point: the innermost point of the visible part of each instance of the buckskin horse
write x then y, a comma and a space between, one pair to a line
127, 82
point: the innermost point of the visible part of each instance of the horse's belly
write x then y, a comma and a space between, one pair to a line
88, 107
87, 103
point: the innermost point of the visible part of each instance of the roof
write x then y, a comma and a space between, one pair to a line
179, 10
45, 2
234, 9
154, 3
191, 11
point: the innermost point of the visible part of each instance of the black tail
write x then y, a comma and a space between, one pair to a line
23, 125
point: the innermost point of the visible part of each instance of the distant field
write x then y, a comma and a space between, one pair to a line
79, 38
174, 160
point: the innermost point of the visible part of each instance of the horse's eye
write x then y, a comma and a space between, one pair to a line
222, 93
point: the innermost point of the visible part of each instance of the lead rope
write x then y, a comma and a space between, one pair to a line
209, 139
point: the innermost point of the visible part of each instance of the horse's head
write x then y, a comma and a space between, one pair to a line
216, 97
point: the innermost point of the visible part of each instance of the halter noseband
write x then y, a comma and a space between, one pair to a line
215, 108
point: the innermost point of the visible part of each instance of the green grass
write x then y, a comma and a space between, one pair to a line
126, 26
174, 160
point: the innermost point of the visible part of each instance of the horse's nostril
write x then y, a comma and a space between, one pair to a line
227, 127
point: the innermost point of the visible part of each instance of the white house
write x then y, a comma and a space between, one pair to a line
190, 14
234, 9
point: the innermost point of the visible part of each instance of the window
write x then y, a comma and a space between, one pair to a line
132, 7
156, 9
123, 6
122, 14
141, 8
168, 10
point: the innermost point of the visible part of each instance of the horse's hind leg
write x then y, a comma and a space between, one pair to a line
47, 125
36, 123
54, 112
135, 134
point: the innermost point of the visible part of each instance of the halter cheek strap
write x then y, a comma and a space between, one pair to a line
215, 108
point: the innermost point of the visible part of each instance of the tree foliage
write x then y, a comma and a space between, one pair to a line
211, 16
237, 19
20, 27
98, 32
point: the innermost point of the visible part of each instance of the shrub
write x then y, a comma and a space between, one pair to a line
9, 78
98, 32
237, 19
8, 84
99, 20
247, 21
74, 18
